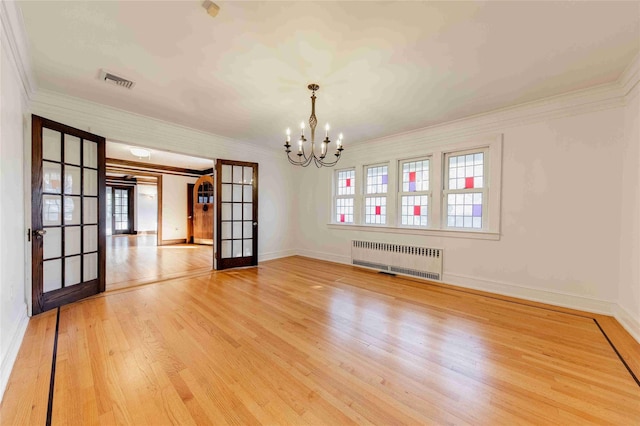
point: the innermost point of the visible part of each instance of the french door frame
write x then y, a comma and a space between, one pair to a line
235, 262
42, 301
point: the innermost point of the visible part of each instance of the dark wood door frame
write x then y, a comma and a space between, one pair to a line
42, 301
130, 208
190, 187
235, 262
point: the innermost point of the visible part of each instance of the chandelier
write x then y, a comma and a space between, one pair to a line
306, 158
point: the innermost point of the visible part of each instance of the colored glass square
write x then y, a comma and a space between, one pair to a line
416, 210
412, 176
412, 186
385, 178
378, 210
341, 218
348, 183
468, 182
477, 210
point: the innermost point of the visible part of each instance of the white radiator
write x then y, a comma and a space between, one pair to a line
419, 262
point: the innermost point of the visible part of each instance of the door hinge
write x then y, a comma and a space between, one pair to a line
29, 235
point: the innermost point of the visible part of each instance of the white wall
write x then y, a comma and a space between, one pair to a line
560, 212
146, 209
174, 206
629, 219
13, 309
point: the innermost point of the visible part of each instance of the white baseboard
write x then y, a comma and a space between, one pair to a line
12, 351
571, 301
330, 257
566, 300
631, 324
262, 257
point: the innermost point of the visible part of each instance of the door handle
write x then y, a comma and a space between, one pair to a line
39, 233
255, 223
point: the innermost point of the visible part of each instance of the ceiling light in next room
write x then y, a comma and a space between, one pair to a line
140, 152
211, 8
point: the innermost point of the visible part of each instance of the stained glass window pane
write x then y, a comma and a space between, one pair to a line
377, 180
466, 171
464, 210
344, 210
375, 210
415, 176
346, 182
414, 210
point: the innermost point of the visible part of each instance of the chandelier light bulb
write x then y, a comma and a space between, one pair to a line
288, 134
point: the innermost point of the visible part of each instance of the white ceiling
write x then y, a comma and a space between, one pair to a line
383, 67
123, 152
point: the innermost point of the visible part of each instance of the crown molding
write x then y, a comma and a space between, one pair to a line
128, 127
609, 95
579, 102
630, 77
14, 33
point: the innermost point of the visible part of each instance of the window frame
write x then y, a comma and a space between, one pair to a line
435, 149
384, 195
336, 196
484, 190
428, 193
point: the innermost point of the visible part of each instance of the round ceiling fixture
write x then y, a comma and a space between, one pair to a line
140, 152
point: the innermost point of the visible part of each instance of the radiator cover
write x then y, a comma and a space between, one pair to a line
421, 262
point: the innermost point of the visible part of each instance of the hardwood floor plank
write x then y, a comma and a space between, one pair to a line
26, 397
301, 341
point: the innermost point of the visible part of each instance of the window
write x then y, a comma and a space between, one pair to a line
345, 192
465, 189
377, 184
448, 188
414, 192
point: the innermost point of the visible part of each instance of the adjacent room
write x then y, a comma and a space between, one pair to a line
319, 213
159, 210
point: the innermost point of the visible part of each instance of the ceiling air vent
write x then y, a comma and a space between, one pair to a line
114, 79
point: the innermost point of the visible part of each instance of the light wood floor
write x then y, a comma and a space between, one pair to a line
300, 341
135, 259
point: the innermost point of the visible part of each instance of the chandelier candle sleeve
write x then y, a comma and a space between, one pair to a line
305, 159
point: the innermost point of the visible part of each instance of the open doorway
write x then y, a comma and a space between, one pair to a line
150, 216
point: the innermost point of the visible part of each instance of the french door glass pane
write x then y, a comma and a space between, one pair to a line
50, 145
51, 175
71, 210
226, 230
237, 174
90, 182
90, 238
72, 180
71, 240
51, 273
72, 150
52, 243
248, 247
90, 211
90, 154
90, 265
237, 248
226, 211
72, 270
226, 249
226, 173
51, 210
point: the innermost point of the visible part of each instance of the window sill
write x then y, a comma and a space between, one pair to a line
477, 235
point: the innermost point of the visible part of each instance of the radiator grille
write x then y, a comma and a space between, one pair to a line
421, 262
